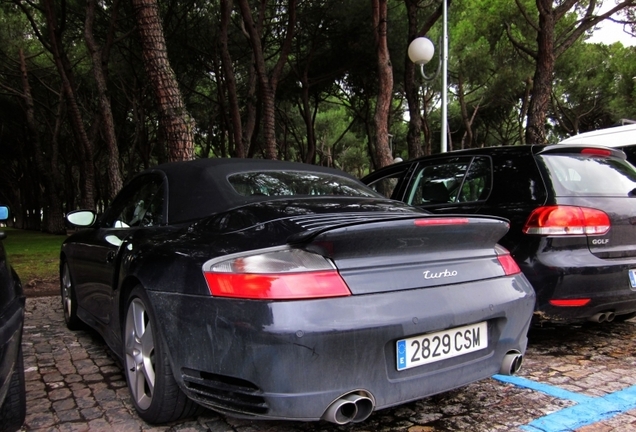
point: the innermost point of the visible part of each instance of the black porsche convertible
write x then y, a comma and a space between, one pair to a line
280, 290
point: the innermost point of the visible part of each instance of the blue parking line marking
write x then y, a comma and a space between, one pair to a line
588, 409
545, 388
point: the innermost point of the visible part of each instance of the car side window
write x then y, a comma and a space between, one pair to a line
518, 181
458, 179
386, 185
478, 181
140, 205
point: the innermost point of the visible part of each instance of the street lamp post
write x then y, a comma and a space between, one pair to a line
443, 144
421, 51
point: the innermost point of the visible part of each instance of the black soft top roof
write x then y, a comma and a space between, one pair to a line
199, 188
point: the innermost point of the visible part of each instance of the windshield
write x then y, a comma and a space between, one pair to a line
297, 183
581, 175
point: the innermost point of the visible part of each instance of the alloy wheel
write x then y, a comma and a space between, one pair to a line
140, 353
67, 287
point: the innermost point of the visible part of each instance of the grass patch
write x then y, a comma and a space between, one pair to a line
33, 255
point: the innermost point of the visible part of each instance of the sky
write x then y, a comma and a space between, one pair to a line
609, 32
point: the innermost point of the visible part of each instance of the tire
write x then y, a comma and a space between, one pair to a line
69, 300
155, 393
13, 409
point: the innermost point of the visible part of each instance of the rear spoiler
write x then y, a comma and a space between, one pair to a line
590, 150
361, 229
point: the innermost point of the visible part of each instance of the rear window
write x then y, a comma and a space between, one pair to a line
295, 183
579, 175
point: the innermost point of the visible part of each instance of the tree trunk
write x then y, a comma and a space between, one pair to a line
385, 85
100, 72
54, 215
549, 47
467, 139
240, 145
84, 145
411, 88
251, 112
412, 83
524, 108
539, 104
175, 123
268, 82
308, 114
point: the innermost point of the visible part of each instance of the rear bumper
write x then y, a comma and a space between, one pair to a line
575, 274
292, 359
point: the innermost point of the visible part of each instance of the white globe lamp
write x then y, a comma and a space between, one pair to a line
421, 50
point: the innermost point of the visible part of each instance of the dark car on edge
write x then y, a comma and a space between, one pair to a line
281, 290
572, 213
12, 388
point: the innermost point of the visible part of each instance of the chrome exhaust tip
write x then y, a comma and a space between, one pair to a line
599, 317
340, 412
352, 407
511, 363
364, 406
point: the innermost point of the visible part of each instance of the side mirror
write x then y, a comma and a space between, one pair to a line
82, 218
4, 215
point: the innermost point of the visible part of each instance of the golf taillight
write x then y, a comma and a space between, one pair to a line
567, 220
577, 302
275, 275
508, 263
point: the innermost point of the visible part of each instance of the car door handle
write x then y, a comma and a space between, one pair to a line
110, 256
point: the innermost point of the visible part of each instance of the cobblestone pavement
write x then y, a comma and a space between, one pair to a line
73, 384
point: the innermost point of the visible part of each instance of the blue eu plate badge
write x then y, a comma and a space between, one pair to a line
632, 278
401, 354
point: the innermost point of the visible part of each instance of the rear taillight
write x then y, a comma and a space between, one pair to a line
275, 275
507, 262
567, 220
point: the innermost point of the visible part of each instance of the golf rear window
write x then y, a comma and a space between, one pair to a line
580, 175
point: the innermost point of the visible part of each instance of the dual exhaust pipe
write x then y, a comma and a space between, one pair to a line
511, 363
602, 317
357, 406
353, 407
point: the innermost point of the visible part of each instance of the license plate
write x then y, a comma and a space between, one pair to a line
442, 345
632, 278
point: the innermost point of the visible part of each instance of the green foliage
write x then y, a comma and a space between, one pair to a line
597, 89
328, 86
338, 145
623, 65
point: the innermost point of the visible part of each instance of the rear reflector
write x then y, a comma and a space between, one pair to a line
567, 220
280, 274
570, 302
507, 262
